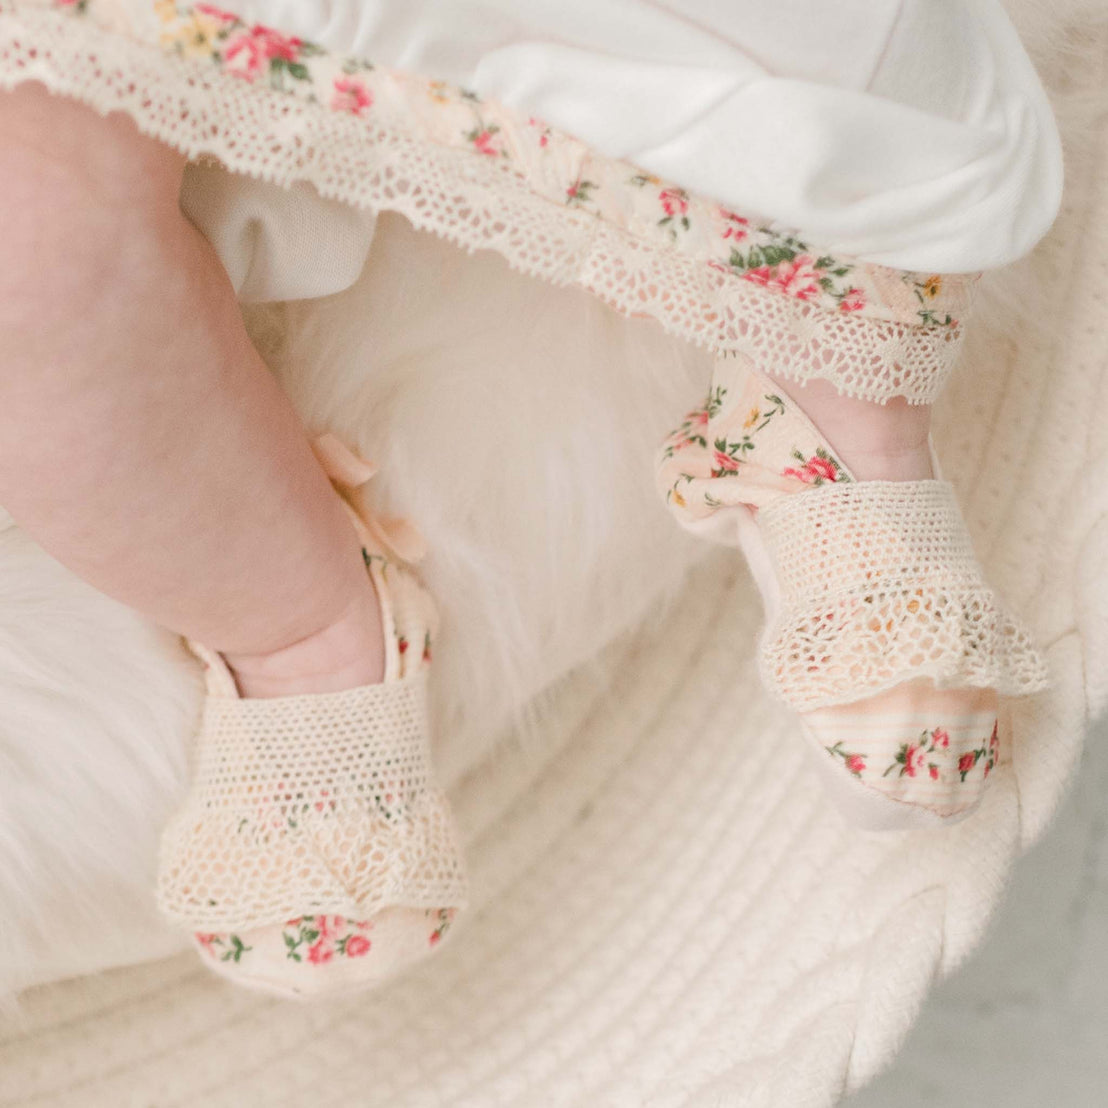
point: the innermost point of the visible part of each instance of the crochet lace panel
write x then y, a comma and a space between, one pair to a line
879, 584
476, 202
313, 804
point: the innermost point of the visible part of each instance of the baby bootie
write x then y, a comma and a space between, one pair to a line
314, 854
881, 632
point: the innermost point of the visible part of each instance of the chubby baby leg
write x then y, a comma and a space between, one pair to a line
143, 443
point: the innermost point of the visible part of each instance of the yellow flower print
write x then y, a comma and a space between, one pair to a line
195, 38
933, 286
678, 499
438, 90
752, 418
166, 10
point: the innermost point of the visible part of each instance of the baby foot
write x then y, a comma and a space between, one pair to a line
945, 740
320, 801
880, 631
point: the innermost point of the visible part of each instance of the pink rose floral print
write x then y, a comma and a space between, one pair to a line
930, 770
555, 164
930, 755
319, 940
747, 444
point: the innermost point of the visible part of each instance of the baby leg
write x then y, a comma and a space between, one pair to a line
143, 443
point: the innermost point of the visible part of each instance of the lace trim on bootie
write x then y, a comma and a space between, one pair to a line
320, 803
879, 584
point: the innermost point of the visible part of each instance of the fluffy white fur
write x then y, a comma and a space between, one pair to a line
515, 424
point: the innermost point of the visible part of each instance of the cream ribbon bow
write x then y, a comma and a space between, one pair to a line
348, 471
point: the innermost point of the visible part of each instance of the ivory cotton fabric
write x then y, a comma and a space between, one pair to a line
914, 133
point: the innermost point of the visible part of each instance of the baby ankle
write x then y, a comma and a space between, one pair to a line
346, 653
874, 441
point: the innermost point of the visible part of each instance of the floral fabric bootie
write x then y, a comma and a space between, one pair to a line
881, 632
314, 854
